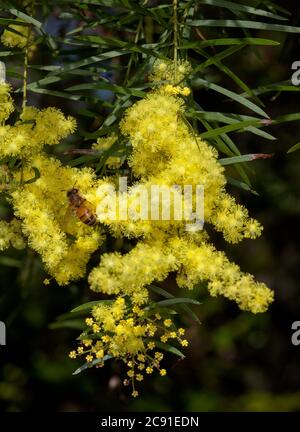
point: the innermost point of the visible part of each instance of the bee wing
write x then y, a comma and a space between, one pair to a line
69, 219
89, 206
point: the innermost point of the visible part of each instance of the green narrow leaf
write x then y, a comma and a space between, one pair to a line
166, 294
10, 262
77, 324
241, 185
228, 41
91, 364
238, 126
175, 301
90, 305
26, 18
244, 158
56, 93
214, 59
37, 175
236, 7
230, 118
106, 86
7, 21
244, 24
170, 349
234, 96
287, 118
294, 148
88, 61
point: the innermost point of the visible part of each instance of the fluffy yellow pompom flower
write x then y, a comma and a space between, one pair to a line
41, 204
34, 130
63, 241
166, 152
16, 36
105, 144
11, 235
6, 106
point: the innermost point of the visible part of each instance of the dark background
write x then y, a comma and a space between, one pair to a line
235, 360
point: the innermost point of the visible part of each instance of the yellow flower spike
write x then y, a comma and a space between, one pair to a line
163, 372
6, 107
15, 36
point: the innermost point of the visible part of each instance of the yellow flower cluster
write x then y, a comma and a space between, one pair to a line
164, 70
6, 105
63, 241
16, 36
104, 144
166, 152
176, 90
11, 235
129, 333
33, 131
131, 273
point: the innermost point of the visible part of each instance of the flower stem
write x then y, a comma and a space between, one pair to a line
175, 40
25, 71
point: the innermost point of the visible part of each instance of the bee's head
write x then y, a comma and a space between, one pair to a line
71, 192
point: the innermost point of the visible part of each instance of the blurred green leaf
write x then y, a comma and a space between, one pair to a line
169, 348
244, 24
90, 305
91, 364
294, 148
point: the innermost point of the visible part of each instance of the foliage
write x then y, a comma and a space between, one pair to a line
99, 60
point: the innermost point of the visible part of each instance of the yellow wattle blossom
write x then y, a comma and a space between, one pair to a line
104, 144
41, 206
16, 36
125, 336
166, 152
11, 235
129, 274
33, 131
63, 241
164, 70
6, 106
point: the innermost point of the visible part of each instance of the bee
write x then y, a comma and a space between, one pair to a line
83, 209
